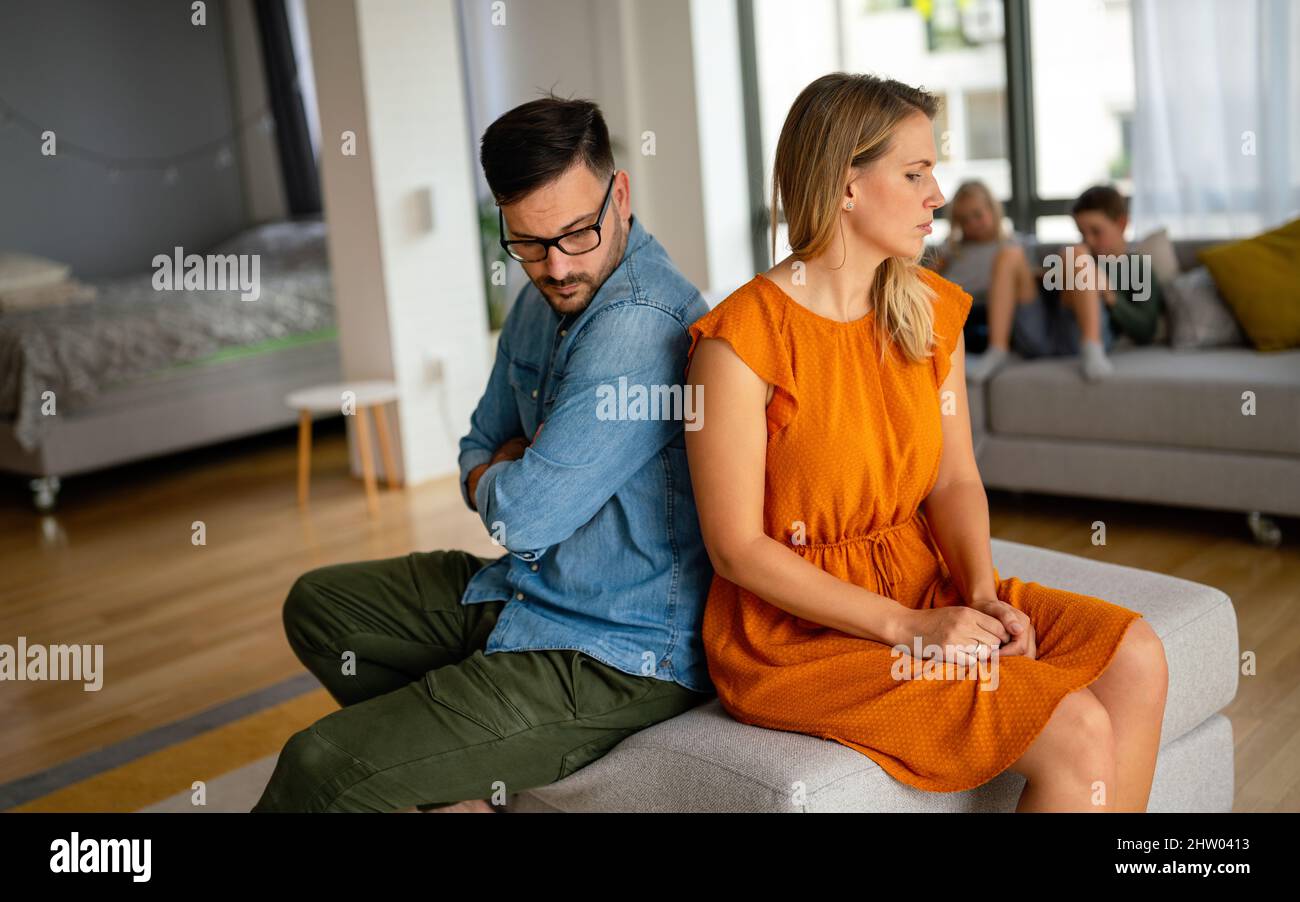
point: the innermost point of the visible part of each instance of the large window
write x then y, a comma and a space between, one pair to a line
952, 49
1081, 56
1064, 123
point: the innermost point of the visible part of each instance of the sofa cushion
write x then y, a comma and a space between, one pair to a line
1196, 622
1198, 315
1164, 259
704, 760
1260, 278
1157, 396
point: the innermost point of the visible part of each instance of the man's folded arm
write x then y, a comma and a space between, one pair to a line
495, 420
582, 457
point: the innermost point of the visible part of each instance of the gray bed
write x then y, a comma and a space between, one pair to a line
139, 372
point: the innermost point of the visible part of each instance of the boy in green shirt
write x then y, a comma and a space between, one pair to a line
1133, 300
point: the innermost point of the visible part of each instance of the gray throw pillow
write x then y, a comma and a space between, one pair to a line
1198, 315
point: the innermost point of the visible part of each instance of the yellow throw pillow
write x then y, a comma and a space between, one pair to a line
1260, 279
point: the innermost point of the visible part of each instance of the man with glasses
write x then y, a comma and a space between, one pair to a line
466, 678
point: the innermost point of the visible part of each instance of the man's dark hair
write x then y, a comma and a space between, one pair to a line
1102, 198
535, 143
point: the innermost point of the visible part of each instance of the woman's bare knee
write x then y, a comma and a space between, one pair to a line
1145, 646
1077, 742
1139, 668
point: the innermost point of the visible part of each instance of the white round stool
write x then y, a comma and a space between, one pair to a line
365, 397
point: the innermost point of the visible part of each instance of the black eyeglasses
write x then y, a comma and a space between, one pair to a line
579, 241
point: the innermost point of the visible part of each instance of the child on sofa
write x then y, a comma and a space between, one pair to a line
1078, 312
975, 254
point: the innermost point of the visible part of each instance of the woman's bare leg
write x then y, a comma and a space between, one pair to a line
1133, 690
1070, 766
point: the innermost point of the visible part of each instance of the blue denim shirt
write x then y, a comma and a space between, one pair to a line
598, 517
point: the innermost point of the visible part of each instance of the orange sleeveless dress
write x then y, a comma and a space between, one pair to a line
853, 450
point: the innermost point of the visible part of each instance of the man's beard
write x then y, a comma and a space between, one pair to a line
581, 299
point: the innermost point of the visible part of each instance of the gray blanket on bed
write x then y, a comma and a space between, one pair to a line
131, 329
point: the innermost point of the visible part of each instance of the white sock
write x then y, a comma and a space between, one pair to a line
1093, 361
983, 366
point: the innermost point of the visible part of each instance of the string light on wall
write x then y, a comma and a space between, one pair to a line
218, 152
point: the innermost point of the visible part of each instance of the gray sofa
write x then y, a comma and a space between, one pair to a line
704, 761
1165, 428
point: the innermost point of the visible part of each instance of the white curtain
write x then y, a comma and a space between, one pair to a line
1216, 126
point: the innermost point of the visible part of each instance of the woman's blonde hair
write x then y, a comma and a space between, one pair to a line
845, 120
976, 188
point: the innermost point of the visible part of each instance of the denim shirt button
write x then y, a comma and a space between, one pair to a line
533, 567
519, 595
534, 393
564, 332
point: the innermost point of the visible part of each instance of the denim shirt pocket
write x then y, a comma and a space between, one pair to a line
525, 379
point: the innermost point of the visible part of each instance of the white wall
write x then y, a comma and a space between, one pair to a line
403, 231
670, 67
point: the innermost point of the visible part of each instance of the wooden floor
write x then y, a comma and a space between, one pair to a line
187, 627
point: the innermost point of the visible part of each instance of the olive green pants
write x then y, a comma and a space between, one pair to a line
427, 718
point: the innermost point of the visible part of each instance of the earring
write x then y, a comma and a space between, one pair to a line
848, 205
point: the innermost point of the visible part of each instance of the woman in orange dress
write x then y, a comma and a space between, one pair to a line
855, 597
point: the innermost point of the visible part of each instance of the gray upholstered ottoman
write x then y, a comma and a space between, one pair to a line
706, 761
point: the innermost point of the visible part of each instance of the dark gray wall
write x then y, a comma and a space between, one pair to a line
122, 77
